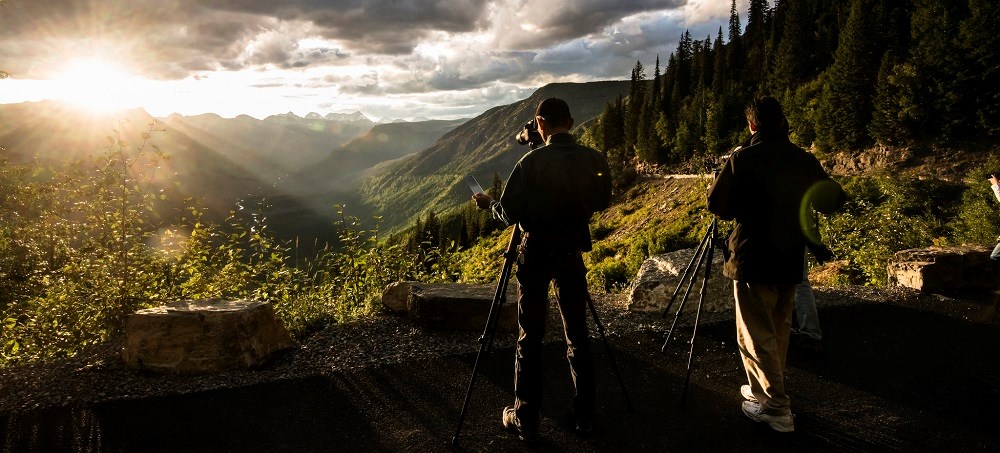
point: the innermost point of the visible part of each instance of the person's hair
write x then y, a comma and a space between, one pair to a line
554, 111
765, 112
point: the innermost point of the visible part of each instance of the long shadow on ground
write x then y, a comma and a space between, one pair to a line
892, 378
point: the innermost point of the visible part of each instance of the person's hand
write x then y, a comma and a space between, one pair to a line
482, 200
822, 253
993, 180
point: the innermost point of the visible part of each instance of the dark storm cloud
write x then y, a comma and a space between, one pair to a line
380, 26
555, 21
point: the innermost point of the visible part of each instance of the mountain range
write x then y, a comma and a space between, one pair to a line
303, 166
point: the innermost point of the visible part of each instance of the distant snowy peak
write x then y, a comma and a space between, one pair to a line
353, 118
345, 117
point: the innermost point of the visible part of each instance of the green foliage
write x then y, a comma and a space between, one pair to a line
978, 217
81, 248
848, 73
885, 215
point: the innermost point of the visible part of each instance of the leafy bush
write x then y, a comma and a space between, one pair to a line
81, 249
885, 215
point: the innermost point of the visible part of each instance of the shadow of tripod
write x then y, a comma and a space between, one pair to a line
702, 256
493, 323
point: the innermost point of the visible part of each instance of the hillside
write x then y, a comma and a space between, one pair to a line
432, 178
282, 144
214, 160
305, 209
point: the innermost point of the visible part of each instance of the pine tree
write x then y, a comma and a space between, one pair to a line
463, 234
655, 91
734, 49
980, 39
682, 78
636, 98
719, 79
431, 231
793, 59
893, 110
846, 106
754, 40
935, 55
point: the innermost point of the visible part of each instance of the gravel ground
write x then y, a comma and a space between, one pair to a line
385, 384
99, 375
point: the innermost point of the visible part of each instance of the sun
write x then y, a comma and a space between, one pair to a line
96, 85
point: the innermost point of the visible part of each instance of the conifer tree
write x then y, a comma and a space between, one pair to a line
893, 108
793, 58
719, 79
463, 234
980, 38
935, 55
734, 49
754, 40
846, 106
636, 98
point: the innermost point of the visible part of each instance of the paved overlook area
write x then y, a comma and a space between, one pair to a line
903, 371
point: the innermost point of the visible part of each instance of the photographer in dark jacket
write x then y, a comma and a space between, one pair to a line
550, 195
768, 187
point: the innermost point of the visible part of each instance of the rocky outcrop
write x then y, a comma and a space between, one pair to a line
658, 276
203, 336
941, 269
450, 306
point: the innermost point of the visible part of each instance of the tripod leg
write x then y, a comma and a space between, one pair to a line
697, 316
611, 357
492, 324
687, 269
700, 255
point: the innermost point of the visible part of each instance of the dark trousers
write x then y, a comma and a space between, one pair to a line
539, 266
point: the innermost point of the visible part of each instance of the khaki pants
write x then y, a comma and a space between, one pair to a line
763, 324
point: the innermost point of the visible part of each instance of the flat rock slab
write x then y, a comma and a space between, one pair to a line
934, 269
203, 336
450, 306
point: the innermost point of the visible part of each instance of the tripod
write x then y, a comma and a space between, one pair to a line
702, 255
493, 323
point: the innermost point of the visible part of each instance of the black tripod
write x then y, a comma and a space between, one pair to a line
493, 323
702, 255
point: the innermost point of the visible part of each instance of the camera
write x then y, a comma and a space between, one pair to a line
529, 135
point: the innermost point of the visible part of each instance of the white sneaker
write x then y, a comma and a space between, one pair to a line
747, 393
780, 423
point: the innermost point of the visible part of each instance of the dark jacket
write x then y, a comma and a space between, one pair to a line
553, 190
770, 188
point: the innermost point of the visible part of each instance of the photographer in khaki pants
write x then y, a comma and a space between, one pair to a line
550, 195
764, 187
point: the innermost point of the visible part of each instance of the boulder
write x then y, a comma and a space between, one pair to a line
203, 336
658, 276
941, 269
450, 306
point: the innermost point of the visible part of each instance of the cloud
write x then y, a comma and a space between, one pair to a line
543, 23
371, 26
434, 51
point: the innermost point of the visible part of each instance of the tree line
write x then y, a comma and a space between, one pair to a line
850, 74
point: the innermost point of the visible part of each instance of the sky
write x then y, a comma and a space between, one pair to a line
389, 59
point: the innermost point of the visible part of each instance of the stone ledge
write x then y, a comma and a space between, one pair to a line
450, 306
936, 268
203, 336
